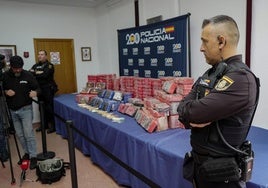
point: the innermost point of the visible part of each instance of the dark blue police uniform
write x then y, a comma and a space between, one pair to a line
44, 73
230, 103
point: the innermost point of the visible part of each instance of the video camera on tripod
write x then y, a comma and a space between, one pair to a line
5, 111
7, 122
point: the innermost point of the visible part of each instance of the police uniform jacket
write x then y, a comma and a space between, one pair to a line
22, 86
230, 102
44, 73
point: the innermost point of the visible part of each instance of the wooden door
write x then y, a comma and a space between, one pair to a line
65, 74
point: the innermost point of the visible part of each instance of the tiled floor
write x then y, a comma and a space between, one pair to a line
89, 175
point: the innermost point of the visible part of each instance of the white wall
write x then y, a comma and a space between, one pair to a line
109, 20
259, 62
206, 9
151, 8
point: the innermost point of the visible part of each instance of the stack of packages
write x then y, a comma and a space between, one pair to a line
107, 100
152, 102
131, 107
142, 87
108, 79
159, 112
127, 84
95, 84
146, 120
163, 107
156, 84
173, 91
116, 84
184, 85
168, 95
86, 94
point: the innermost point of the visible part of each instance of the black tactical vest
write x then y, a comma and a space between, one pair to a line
206, 141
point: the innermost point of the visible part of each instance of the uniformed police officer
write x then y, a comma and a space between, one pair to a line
43, 70
225, 97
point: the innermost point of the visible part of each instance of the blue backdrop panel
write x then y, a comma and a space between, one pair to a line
154, 50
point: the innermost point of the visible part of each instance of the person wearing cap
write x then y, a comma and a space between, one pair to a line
20, 87
43, 71
3, 144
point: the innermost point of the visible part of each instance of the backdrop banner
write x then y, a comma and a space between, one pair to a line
154, 50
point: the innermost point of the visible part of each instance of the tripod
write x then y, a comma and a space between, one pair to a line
8, 127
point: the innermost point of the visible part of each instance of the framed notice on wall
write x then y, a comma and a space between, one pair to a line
8, 51
86, 53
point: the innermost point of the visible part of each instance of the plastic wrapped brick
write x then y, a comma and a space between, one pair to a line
101, 93
131, 110
169, 87
109, 94
118, 96
173, 122
173, 108
184, 80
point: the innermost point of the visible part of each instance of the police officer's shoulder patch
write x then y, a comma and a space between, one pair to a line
224, 83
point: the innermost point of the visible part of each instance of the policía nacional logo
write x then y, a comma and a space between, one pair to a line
150, 36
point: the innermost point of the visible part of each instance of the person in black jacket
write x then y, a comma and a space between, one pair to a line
20, 87
223, 100
43, 71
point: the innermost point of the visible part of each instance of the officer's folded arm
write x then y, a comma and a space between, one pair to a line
200, 125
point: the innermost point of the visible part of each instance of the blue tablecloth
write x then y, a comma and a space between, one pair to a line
158, 156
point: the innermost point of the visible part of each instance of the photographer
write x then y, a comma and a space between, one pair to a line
3, 144
20, 87
222, 101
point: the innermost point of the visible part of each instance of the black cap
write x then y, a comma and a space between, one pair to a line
16, 62
2, 57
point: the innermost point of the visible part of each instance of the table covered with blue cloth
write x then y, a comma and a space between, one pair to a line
158, 156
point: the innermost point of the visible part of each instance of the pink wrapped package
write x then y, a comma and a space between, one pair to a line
83, 98
171, 98
169, 87
131, 110
184, 80
183, 89
173, 122
149, 102
162, 123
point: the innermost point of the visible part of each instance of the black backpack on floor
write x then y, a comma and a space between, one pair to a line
51, 170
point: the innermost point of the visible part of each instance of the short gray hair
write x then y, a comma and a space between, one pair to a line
223, 19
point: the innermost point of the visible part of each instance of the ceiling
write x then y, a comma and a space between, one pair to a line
72, 3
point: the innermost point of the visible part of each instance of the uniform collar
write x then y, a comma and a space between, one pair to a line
237, 58
41, 63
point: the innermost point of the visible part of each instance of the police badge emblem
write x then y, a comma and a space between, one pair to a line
224, 83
